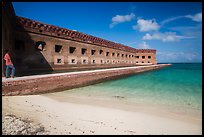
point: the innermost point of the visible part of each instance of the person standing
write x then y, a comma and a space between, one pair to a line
9, 64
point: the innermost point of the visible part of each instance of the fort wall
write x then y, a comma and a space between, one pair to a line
37, 46
44, 83
8, 29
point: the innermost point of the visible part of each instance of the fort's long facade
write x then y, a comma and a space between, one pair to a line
39, 46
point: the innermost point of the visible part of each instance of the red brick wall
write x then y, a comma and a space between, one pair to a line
59, 83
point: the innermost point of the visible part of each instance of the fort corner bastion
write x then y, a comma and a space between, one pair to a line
38, 47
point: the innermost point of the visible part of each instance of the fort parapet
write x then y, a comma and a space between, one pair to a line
50, 30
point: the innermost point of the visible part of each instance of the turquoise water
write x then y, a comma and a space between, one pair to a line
176, 85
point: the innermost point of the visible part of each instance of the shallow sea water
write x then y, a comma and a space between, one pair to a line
178, 85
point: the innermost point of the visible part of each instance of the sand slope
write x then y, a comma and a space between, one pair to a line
78, 118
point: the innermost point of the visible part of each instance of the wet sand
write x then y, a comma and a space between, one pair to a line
81, 115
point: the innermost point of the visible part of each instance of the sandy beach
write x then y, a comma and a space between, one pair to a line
81, 115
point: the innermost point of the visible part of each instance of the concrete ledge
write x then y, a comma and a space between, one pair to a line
39, 84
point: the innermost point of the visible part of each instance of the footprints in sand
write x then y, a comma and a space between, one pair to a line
92, 131
102, 124
120, 129
38, 108
58, 126
130, 131
95, 122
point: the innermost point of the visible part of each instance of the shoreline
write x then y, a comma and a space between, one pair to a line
93, 116
121, 103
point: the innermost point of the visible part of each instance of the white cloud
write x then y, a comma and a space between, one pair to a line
170, 20
120, 19
197, 17
191, 31
143, 45
146, 25
165, 37
175, 56
168, 55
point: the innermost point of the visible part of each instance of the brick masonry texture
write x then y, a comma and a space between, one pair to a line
63, 48
67, 81
41, 28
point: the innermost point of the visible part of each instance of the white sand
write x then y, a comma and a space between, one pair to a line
77, 117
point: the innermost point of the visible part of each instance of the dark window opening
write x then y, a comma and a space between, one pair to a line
93, 61
107, 53
122, 55
143, 57
58, 48
129, 56
149, 57
113, 54
19, 45
136, 61
118, 54
93, 52
83, 51
132, 55
148, 61
142, 61
73, 60
101, 61
137, 57
40, 30
126, 55
39, 45
72, 49
84, 61
107, 61
101, 51
59, 61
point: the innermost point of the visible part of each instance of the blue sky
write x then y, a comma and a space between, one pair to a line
174, 29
